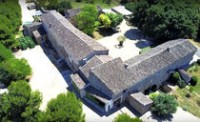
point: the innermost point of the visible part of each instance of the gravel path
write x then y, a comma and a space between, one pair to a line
26, 14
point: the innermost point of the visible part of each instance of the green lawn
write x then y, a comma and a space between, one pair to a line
191, 104
146, 49
103, 5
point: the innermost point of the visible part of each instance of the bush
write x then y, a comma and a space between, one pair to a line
153, 95
181, 84
5, 53
126, 118
198, 61
194, 80
176, 76
188, 95
26, 42
164, 105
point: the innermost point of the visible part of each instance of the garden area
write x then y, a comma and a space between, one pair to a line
189, 97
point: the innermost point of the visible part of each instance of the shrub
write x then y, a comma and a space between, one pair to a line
181, 84
188, 95
164, 105
121, 40
198, 103
194, 80
198, 61
153, 95
176, 76
193, 68
26, 42
5, 53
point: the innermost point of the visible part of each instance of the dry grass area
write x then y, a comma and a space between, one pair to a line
189, 97
190, 104
97, 35
195, 43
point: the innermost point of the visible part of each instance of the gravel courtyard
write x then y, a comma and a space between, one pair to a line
129, 49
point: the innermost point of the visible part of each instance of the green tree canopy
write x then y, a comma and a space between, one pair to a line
5, 53
64, 108
164, 20
86, 19
20, 103
126, 118
164, 105
13, 70
110, 20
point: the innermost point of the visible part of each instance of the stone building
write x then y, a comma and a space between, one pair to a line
72, 45
110, 82
117, 79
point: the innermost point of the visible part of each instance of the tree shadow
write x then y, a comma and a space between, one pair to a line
161, 118
134, 34
107, 32
143, 44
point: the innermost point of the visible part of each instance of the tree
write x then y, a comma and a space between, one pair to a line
164, 105
105, 20
126, 118
110, 20
5, 53
116, 19
86, 19
13, 70
165, 21
20, 103
64, 108
63, 5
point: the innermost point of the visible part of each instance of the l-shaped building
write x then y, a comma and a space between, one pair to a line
110, 81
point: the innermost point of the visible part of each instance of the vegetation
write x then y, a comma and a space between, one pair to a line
64, 108
20, 104
5, 53
121, 40
165, 20
10, 14
86, 19
153, 95
144, 50
164, 105
13, 70
126, 118
26, 42
102, 3
109, 20
191, 94
59, 5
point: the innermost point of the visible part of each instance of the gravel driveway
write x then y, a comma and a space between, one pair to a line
46, 78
